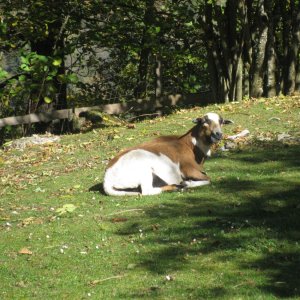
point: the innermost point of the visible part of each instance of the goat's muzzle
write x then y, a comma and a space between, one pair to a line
215, 137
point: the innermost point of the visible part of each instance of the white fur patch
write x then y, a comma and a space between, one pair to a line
205, 149
213, 117
136, 168
194, 183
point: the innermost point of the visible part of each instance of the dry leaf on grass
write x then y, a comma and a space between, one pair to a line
21, 284
118, 220
25, 251
131, 126
31, 220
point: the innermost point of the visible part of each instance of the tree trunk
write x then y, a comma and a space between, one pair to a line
225, 42
145, 49
293, 50
247, 49
219, 55
239, 81
246, 80
270, 78
213, 76
214, 65
257, 74
297, 85
233, 59
158, 84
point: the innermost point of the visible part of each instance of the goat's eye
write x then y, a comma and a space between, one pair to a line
207, 121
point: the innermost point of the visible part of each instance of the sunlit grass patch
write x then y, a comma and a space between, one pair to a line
237, 238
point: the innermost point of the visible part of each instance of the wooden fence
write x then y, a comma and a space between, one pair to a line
116, 108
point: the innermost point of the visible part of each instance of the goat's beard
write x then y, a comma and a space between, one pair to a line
212, 139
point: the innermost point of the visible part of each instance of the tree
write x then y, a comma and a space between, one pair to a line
36, 31
92, 52
252, 49
291, 43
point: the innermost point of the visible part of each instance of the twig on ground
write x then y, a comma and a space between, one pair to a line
94, 282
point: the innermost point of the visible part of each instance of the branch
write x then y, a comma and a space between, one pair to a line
3, 83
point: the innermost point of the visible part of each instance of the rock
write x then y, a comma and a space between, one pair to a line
35, 139
243, 133
288, 139
283, 136
229, 145
77, 124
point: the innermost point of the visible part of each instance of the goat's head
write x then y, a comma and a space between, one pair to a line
209, 128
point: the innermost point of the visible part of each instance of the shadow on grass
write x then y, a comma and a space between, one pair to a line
97, 188
272, 151
260, 216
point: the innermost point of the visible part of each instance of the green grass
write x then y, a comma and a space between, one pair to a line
237, 238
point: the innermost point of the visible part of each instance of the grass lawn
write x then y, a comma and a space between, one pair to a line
238, 238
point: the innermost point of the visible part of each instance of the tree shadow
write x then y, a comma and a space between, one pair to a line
239, 215
285, 270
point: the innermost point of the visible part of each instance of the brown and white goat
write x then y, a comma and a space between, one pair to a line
165, 163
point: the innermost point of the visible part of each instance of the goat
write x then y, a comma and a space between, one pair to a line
166, 163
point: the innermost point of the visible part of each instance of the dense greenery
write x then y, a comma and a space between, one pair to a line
237, 238
111, 51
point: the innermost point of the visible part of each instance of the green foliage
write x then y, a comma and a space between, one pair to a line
105, 50
88, 27
3, 74
66, 209
37, 79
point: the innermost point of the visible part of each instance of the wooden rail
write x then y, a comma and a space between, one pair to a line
116, 108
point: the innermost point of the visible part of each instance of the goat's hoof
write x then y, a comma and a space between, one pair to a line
181, 187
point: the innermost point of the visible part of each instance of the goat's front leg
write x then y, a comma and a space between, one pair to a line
195, 178
194, 183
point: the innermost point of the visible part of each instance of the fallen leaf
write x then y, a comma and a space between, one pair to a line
39, 190
238, 129
117, 220
31, 220
67, 208
4, 218
25, 251
131, 126
155, 227
21, 284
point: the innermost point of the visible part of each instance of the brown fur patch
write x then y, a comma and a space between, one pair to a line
169, 188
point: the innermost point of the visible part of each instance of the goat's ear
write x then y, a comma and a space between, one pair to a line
226, 122
199, 121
